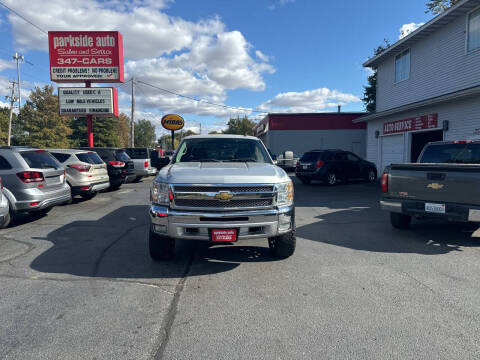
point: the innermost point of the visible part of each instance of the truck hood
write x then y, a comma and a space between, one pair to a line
221, 173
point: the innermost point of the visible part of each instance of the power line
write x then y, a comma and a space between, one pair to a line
199, 100
24, 18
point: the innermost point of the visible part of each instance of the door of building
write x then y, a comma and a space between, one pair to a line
420, 139
392, 150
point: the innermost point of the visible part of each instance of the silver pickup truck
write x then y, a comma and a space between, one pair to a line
444, 183
221, 189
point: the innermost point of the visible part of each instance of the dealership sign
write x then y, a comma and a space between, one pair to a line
79, 56
76, 101
417, 123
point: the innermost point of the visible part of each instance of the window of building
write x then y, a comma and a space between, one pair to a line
474, 30
402, 66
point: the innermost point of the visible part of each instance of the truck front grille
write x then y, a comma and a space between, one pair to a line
253, 203
238, 189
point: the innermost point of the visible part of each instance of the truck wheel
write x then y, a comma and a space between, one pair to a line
371, 176
400, 221
282, 246
161, 247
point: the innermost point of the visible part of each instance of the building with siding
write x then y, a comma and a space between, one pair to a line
428, 87
303, 132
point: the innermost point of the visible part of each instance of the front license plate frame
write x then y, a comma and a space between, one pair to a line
224, 235
435, 208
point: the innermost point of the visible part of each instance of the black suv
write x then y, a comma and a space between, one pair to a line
330, 166
119, 165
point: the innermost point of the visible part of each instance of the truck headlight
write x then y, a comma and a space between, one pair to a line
159, 193
285, 193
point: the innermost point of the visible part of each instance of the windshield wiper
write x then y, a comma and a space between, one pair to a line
203, 160
242, 160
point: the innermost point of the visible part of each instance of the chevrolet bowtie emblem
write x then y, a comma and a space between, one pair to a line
435, 186
224, 195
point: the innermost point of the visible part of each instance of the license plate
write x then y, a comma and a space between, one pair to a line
435, 208
305, 167
52, 180
224, 235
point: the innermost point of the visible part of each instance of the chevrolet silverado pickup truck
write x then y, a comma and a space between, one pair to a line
221, 189
444, 183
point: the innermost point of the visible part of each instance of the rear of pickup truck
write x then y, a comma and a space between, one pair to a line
445, 184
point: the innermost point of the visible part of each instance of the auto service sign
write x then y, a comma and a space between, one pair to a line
173, 122
81, 101
418, 123
79, 56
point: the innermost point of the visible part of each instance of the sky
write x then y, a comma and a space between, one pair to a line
257, 55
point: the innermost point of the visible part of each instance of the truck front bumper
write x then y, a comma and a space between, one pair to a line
193, 225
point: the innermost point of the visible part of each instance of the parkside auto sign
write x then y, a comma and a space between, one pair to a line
79, 56
418, 123
75, 101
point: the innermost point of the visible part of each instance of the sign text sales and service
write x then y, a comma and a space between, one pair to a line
76, 101
79, 56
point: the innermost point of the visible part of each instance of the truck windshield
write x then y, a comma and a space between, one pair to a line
221, 150
452, 153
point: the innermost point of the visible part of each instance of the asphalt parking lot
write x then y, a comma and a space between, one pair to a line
79, 284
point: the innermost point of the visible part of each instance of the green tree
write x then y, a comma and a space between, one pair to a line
166, 140
438, 6
370, 91
240, 126
144, 133
4, 116
45, 127
104, 132
123, 130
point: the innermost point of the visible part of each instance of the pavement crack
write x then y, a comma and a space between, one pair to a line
172, 310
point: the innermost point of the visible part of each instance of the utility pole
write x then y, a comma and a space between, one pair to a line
17, 57
132, 124
200, 128
12, 101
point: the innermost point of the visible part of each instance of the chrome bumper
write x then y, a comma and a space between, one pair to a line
197, 225
392, 206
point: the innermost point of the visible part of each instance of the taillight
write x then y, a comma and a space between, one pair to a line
170, 195
145, 164
385, 182
80, 167
462, 141
30, 176
117, 164
319, 164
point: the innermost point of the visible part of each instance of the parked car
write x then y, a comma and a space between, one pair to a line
221, 189
119, 165
444, 183
287, 161
86, 172
4, 208
332, 166
156, 160
33, 180
141, 161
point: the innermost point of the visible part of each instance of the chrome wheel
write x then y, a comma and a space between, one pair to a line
331, 179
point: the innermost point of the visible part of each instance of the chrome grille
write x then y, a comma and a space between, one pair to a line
250, 203
237, 189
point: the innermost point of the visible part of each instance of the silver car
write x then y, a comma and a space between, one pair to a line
4, 208
86, 173
141, 161
33, 180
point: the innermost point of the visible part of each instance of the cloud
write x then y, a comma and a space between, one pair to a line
4, 64
200, 59
408, 28
279, 3
316, 100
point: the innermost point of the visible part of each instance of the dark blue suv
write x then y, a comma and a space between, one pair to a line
332, 166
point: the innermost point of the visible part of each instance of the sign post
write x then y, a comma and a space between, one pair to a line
173, 122
86, 56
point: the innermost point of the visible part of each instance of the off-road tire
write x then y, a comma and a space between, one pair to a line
400, 221
161, 247
282, 246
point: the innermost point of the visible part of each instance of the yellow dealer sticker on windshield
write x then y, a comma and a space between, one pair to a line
172, 122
